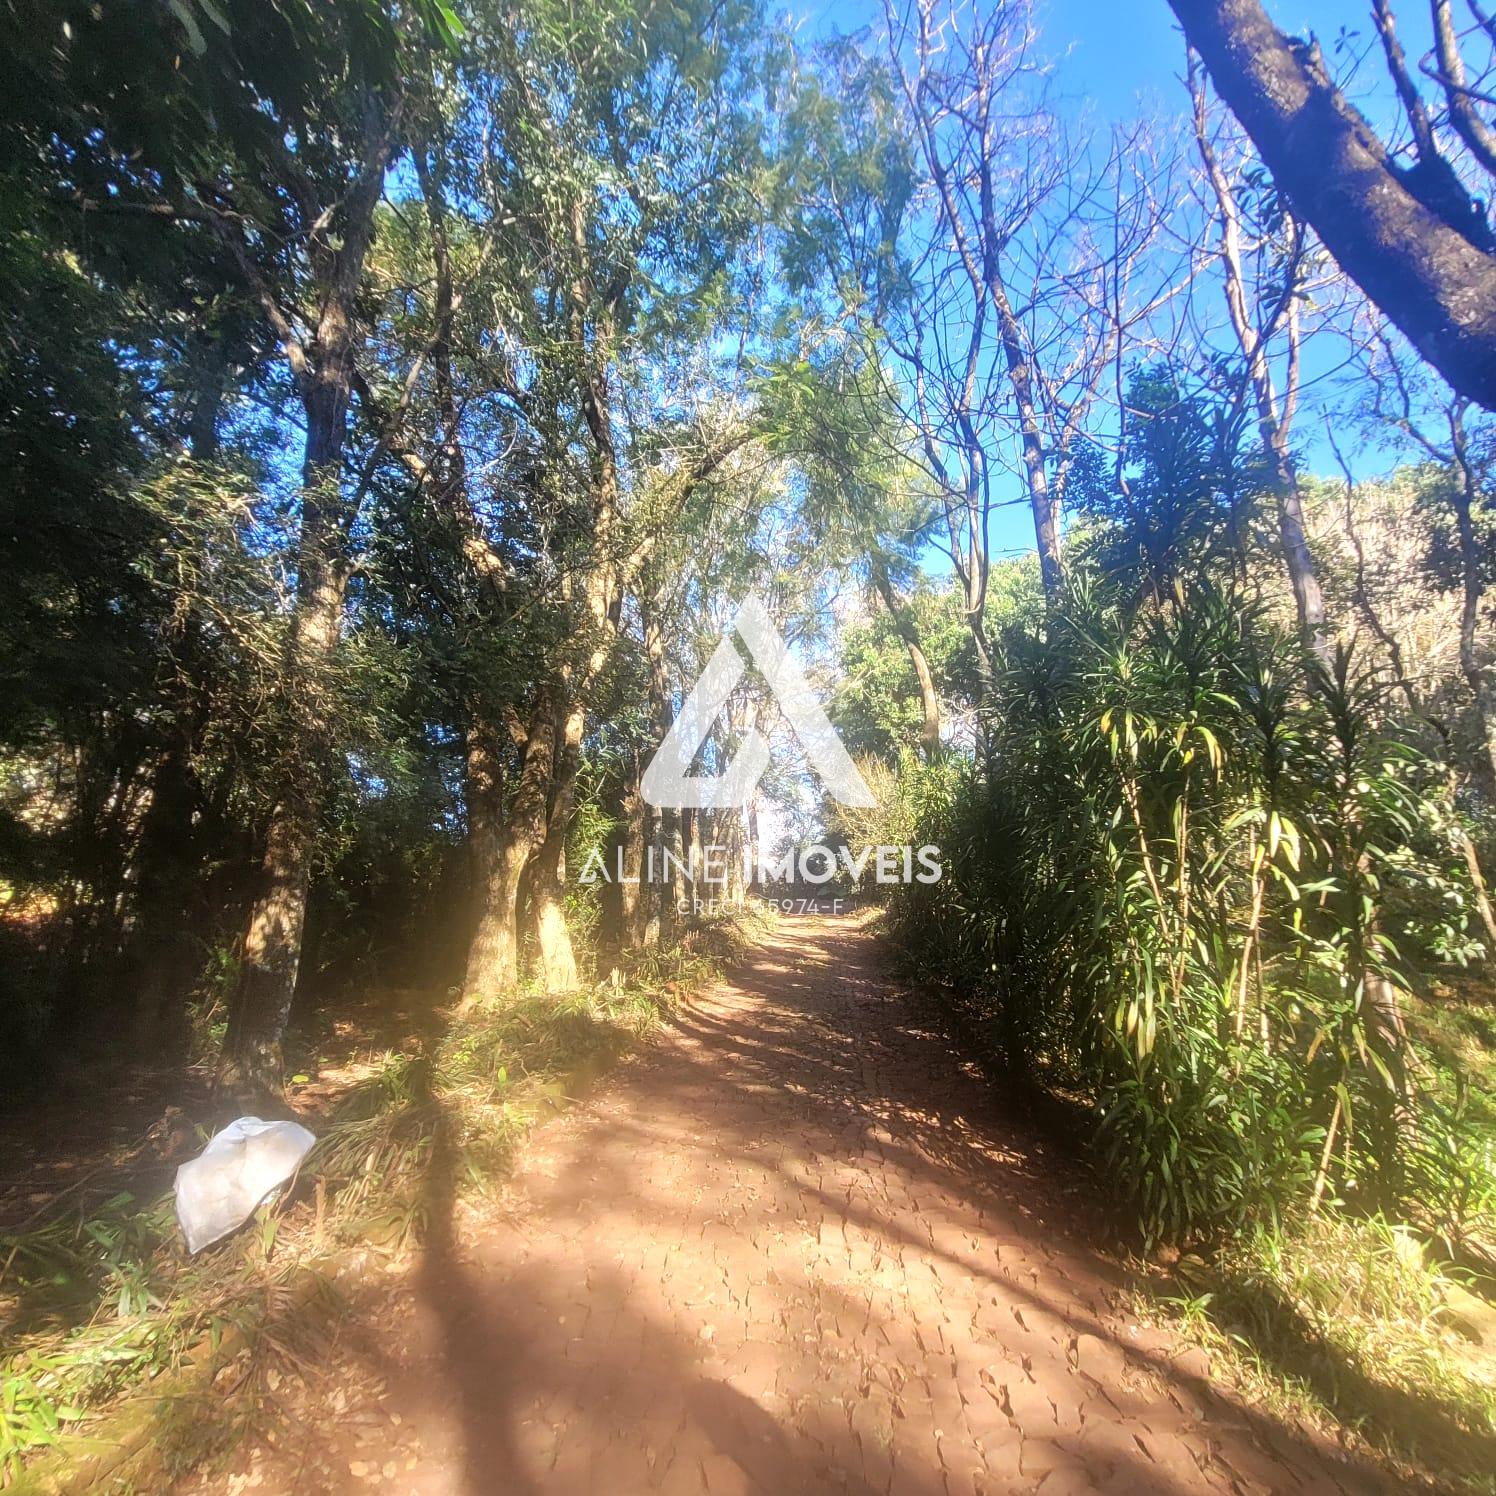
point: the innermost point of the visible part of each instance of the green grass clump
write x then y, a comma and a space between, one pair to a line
97, 1303
1350, 1321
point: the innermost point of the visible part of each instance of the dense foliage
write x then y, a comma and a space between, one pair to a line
1175, 886
399, 400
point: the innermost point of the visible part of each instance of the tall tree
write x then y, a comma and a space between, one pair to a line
310, 177
1444, 430
628, 169
988, 267
1265, 307
1414, 235
289, 184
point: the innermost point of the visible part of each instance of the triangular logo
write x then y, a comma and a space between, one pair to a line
668, 781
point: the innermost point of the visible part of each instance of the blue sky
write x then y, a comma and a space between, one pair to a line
1117, 50
1117, 59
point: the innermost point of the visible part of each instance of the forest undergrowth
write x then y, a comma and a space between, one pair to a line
99, 1302
1214, 889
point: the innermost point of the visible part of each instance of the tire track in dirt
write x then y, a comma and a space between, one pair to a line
792, 1246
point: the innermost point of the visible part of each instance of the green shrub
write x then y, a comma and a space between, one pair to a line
1184, 878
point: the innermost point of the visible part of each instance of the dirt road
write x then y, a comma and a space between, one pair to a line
791, 1247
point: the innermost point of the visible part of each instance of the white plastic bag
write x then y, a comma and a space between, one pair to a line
219, 1189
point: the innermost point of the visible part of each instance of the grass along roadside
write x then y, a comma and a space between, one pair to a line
1350, 1326
1375, 1332
1385, 1328
103, 1310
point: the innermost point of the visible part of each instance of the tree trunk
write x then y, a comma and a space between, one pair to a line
501, 856
336, 245
211, 362
755, 882
929, 699
658, 896
558, 962
676, 896
1308, 598
271, 959
500, 848
1046, 512
251, 1062
1043, 501
493, 957
624, 909
733, 836
654, 903
633, 901
1254, 331
695, 853
1424, 259
603, 599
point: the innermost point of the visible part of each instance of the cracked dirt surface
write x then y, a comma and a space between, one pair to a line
792, 1246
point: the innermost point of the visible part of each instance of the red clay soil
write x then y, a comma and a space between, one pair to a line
791, 1247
